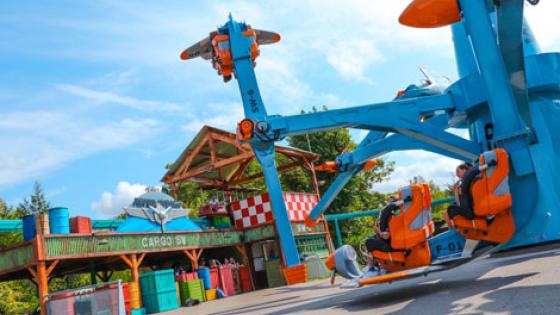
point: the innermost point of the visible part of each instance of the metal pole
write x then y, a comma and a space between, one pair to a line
338, 233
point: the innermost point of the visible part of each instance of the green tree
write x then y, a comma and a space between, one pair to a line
37, 202
357, 195
437, 193
16, 297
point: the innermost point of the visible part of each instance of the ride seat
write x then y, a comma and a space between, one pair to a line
491, 196
410, 229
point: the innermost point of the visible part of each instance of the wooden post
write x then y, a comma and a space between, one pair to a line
92, 273
316, 189
134, 262
42, 281
41, 275
174, 189
243, 251
194, 255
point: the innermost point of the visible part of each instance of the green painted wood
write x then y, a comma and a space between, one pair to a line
274, 273
259, 233
118, 243
312, 244
17, 257
299, 227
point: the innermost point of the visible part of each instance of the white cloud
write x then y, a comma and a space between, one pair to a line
102, 97
219, 115
419, 163
39, 142
350, 57
543, 19
110, 204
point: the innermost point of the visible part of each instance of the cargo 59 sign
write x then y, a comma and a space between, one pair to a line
164, 241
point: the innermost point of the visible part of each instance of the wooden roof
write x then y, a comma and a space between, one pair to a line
214, 157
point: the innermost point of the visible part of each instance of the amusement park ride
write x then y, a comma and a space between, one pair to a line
507, 97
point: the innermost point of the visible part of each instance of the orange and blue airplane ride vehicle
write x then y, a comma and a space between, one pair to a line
507, 98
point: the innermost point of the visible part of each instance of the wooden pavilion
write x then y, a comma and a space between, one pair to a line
215, 158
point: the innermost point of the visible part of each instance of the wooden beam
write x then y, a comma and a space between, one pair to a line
291, 152
126, 261
241, 249
232, 140
43, 284
202, 180
199, 253
141, 259
52, 266
32, 272
187, 163
207, 167
251, 178
241, 169
212, 149
193, 255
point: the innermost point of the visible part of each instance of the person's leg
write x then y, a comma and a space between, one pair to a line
447, 220
454, 210
373, 243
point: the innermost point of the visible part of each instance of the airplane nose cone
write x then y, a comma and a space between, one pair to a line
184, 55
430, 13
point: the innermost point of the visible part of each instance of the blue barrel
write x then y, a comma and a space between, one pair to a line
29, 230
59, 221
204, 274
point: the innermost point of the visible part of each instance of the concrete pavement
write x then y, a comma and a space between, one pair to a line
515, 283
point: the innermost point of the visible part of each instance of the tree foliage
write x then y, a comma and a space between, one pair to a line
357, 195
437, 193
37, 202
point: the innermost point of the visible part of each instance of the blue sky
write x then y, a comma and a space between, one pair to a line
94, 100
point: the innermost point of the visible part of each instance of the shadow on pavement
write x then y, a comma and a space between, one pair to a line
439, 293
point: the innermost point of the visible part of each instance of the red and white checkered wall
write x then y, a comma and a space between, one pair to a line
257, 209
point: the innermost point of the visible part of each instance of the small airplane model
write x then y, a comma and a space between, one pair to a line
216, 47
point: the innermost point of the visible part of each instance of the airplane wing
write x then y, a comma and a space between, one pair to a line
201, 49
140, 213
266, 37
176, 213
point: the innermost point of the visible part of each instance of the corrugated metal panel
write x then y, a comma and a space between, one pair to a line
118, 243
259, 233
16, 257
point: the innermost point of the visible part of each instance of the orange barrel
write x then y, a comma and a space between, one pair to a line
42, 224
134, 295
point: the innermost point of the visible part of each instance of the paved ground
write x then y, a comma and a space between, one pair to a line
519, 283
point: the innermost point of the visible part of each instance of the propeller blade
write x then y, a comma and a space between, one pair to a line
201, 49
266, 37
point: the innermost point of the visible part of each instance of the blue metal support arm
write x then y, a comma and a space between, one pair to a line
510, 130
264, 151
400, 116
353, 162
